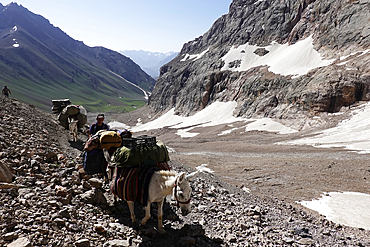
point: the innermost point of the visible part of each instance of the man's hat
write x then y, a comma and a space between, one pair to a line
100, 116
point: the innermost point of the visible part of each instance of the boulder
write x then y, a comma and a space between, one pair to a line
20, 242
117, 243
5, 174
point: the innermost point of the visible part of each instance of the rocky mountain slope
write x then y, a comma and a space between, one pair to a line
52, 202
253, 55
40, 62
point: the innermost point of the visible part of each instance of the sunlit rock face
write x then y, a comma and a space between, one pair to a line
275, 59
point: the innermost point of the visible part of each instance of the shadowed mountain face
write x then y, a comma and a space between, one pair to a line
39, 62
275, 59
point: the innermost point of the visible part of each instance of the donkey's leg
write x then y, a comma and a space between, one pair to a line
132, 212
160, 217
147, 214
75, 132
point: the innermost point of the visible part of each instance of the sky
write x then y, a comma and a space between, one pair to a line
156, 26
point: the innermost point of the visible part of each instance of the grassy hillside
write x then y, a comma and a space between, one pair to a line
39, 63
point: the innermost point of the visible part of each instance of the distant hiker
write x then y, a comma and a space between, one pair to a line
6, 91
99, 125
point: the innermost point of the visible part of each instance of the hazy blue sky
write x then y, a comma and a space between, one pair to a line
150, 25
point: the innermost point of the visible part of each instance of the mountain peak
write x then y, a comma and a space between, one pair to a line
12, 4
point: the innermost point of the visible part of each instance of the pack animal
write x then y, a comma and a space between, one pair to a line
162, 184
72, 124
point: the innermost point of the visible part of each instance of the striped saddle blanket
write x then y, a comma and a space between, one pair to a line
132, 184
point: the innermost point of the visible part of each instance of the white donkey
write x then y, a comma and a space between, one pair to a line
72, 124
162, 184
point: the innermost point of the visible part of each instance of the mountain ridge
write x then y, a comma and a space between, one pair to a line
339, 28
40, 62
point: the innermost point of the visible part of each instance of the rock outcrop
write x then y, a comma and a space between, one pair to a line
248, 56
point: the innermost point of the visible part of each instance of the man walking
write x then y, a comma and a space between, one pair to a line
99, 125
6, 91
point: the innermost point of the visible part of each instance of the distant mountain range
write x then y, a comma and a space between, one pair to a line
150, 62
39, 62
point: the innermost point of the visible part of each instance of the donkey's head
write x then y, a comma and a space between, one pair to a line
72, 120
182, 191
110, 165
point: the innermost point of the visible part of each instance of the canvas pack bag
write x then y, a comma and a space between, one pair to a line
92, 143
71, 110
110, 139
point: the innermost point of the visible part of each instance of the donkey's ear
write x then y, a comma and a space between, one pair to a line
181, 178
191, 175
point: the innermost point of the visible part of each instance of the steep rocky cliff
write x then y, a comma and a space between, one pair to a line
275, 58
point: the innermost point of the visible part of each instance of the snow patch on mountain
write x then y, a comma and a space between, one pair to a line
208, 118
297, 59
194, 56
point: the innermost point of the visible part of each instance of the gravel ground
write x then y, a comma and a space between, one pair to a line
248, 201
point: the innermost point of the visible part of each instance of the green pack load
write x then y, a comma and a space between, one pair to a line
126, 157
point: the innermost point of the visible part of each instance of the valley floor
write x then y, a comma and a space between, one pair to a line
291, 173
253, 161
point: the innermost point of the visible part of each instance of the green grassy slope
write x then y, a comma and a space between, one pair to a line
39, 63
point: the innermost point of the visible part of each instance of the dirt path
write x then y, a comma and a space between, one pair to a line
73, 149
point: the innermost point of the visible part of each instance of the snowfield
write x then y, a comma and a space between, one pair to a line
297, 59
352, 134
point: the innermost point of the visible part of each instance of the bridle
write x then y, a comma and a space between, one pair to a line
177, 200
